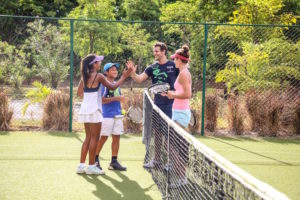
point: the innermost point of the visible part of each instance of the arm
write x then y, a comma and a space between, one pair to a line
111, 99
80, 89
137, 78
185, 81
102, 79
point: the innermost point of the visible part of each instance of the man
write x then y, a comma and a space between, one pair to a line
162, 71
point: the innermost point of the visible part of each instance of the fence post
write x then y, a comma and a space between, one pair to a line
71, 74
204, 77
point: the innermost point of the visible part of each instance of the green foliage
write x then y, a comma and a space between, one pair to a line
12, 64
136, 42
256, 12
36, 95
198, 11
11, 29
94, 37
116, 41
49, 52
253, 70
142, 10
261, 12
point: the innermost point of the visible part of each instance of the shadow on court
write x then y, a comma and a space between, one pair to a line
102, 190
126, 188
130, 189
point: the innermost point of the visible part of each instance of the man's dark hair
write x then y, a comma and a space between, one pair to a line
162, 46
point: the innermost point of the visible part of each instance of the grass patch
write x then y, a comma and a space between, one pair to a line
42, 165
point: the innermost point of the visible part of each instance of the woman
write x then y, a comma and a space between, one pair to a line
181, 112
91, 108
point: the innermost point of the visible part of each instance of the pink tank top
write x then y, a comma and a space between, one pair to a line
180, 104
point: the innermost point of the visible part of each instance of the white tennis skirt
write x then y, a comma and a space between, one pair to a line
94, 117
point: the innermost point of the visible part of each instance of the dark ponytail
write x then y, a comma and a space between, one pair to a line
86, 68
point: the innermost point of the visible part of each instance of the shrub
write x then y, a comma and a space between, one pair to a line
5, 112
235, 116
265, 110
255, 107
211, 111
297, 118
36, 95
290, 119
274, 111
56, 111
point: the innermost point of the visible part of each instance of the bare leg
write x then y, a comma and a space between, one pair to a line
100, 144
115, 145
86, 143
95, 132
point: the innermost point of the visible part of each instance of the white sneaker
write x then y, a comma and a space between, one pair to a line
151, 164
94, 170
80, 169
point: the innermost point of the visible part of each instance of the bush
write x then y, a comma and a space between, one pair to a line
265, 110
235, 116
255, 107
211, 111
56, 112
297, 118
290, 119
5, 112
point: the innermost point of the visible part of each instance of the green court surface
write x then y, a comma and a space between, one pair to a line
40, 165
272, 160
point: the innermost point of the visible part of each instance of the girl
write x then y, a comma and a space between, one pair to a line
91, 108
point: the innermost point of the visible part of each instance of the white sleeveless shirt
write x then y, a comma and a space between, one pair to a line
92, 101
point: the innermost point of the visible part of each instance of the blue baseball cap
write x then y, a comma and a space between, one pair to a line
107, 66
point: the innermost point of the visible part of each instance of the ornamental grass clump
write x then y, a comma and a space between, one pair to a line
56, 111
5, 112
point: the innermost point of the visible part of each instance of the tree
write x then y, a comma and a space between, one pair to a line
254, 70
137, 45
12, 30
256, 12
13, 64
142, 10
94, 37
50, 53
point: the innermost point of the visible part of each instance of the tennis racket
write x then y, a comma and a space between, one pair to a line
159, 88
193, 119
135, 114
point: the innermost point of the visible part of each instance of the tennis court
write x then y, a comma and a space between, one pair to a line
41, 165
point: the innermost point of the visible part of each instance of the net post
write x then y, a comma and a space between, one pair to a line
71, 73
204, 76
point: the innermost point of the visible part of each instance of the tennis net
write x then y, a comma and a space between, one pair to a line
184, 168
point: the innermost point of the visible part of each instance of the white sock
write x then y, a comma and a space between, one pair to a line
82, 164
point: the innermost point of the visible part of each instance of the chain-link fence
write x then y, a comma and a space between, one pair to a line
248, 75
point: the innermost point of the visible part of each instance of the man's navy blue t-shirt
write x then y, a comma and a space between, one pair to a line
166, 73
